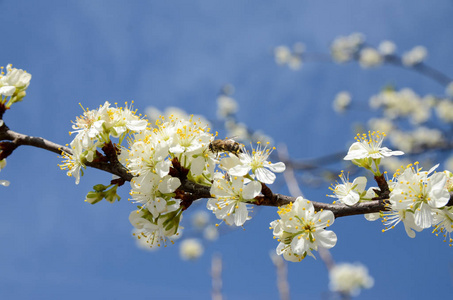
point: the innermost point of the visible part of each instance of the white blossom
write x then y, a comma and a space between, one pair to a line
370, 57
300, 230
256, 162
403, 103
347, 192
155, 193
155, 231
342, 101
229, 199
387, 48
226, 106
443, 218
344, 48
190, 249
211, 233
414, 196
369, 146
349, 278
200, 219
415, 56
444, 110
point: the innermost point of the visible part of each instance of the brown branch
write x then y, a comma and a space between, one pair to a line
193, 191
18, 139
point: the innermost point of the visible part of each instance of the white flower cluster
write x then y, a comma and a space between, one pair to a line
415, 56
293, 58
349, 279
417, 198
160, 158
301, 230
13, 85
344, 48
403, 103
370, 57
94, 129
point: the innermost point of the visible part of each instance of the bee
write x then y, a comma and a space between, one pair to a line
225, 145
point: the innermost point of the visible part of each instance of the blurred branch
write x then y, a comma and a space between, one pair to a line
282, 275
216, 275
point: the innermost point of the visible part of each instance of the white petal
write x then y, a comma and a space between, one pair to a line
169, 185
356, 151
359, 183
137, 125
277, 167
351, 198
326, 239
7, 90
240, 215
265, 176
239, 170
423, 217
251, 190
299, 246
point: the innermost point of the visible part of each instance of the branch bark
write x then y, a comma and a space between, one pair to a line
194, 190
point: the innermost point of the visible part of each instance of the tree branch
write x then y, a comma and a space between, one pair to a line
191, 190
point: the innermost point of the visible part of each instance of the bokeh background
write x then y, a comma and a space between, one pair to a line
181, 53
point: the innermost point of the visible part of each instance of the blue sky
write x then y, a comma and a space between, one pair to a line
180, 53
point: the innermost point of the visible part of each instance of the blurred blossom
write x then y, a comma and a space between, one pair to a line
444, 110
342, 101
380, 124
190, 249
370, 57
428, 136
226, 106
414, 56
421, 137
387, 48
295, 63
449, 89
344, 48
238, 130
284, 56
200, 219
211, 233
403, 103
350, 278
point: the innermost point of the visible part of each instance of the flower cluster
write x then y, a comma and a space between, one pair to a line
301, 230
94, 129
291, 57
161, 158
418, 199
13, 85
415, 197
